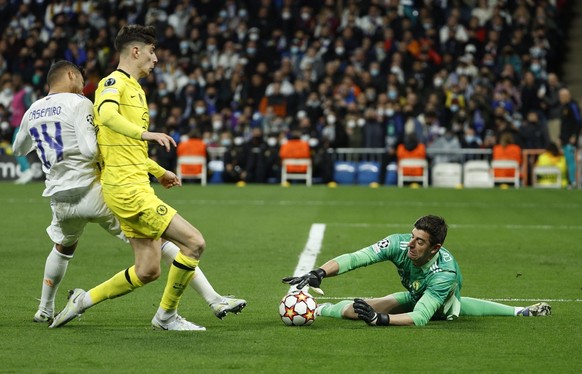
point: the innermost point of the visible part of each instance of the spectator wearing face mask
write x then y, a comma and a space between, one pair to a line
454, 101
374, 133
336, 52
234, 159
256, 158
446, 146
534, 132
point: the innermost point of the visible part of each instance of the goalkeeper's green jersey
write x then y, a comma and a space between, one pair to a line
433, 289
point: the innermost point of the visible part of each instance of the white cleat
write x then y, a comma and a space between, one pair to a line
178, 323
43, 317
26, 177
226, 305
73, 309
539, 309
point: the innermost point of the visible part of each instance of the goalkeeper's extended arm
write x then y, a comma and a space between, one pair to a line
311, 279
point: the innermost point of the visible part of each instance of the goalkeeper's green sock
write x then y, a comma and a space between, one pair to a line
478, 308
334, 310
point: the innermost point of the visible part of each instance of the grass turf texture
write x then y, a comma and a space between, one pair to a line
522, 244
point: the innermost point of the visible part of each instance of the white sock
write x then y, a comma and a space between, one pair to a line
54, 271
86, 302
517, 310
199, 282
166, 315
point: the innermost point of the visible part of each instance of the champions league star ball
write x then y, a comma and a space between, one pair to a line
297, 309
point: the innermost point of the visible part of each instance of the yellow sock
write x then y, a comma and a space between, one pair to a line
120, 284
181, 273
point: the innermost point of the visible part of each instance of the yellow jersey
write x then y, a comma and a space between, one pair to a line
124, 156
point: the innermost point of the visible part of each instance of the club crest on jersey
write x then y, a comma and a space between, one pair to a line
416, 285
384, 243
162, 210
109, 82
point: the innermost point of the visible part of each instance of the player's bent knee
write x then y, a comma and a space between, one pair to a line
148, 274
195, 246
148, 277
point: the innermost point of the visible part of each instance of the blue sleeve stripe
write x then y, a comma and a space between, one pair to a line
576, 111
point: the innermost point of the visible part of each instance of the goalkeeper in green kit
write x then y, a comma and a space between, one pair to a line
428, 271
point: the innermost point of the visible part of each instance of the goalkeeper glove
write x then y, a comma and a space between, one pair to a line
366, 313
312, 279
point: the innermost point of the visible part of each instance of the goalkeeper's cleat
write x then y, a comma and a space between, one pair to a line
320, 307
227, 304
73, 309
176, 323
42, 316
539, 309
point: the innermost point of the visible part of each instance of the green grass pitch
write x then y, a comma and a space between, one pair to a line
522, 244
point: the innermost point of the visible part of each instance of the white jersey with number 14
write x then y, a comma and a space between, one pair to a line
60, 128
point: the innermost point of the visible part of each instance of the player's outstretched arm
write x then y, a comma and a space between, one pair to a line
312, 279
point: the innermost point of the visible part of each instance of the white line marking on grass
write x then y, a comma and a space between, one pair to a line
310, 251
467, 226
499, 300
358, 203
547, 300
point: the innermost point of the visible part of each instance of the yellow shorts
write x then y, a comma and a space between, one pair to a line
140, 212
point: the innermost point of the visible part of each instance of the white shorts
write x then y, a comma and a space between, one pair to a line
72, 213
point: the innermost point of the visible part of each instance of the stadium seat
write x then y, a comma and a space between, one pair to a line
191, 161
478, 173
344, 172
306, 176
506, 165
391, 177
368, 172
413, 163
547, 177
216, 168
447, 174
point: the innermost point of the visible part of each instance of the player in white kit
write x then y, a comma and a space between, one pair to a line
60, 128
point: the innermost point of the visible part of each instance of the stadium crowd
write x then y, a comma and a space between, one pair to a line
247, 74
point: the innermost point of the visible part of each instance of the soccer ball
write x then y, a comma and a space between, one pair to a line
297, 309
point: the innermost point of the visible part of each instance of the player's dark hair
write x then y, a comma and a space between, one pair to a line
135, 33
435, 226
58, 68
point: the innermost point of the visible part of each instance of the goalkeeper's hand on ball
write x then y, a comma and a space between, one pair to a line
312, 279
367, 314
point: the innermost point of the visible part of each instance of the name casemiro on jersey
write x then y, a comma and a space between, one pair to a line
44, 112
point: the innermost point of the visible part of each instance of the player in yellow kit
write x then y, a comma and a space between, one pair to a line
122, 120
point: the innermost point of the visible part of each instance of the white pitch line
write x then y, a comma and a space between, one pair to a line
547, 300
466, 226
309, 254
504, 300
